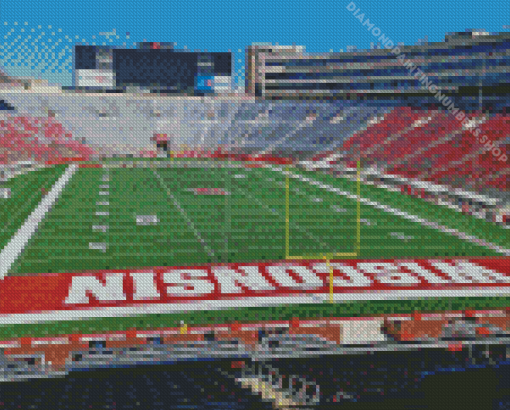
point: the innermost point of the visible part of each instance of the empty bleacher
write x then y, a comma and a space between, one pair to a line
438, 149
394, 122
482, 165
39, 139
500, 182
466, 150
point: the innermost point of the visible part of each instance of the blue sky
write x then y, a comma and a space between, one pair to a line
40, 44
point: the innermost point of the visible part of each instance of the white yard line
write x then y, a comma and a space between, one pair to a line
263, 301
209, 250
101, 246
13, 249
397, 212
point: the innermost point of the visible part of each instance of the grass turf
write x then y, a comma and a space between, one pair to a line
26, 193
245, 226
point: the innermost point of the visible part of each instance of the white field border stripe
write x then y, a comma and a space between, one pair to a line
20, 239
240, 302
209, 250
399, 213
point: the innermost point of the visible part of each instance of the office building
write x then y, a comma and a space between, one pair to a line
466, 65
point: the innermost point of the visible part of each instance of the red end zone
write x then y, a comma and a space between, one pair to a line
265, 283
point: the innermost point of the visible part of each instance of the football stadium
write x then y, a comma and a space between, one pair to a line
142, 228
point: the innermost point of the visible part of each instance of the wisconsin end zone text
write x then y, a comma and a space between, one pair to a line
68, 291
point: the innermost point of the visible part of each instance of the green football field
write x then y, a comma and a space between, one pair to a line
200, 212
216, 212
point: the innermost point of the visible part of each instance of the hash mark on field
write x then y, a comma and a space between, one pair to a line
101, 246
401, 235
184, 214
145, 220
366, 222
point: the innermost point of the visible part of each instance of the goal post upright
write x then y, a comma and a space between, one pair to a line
287, 216
330, 270
326, 256
358, 210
